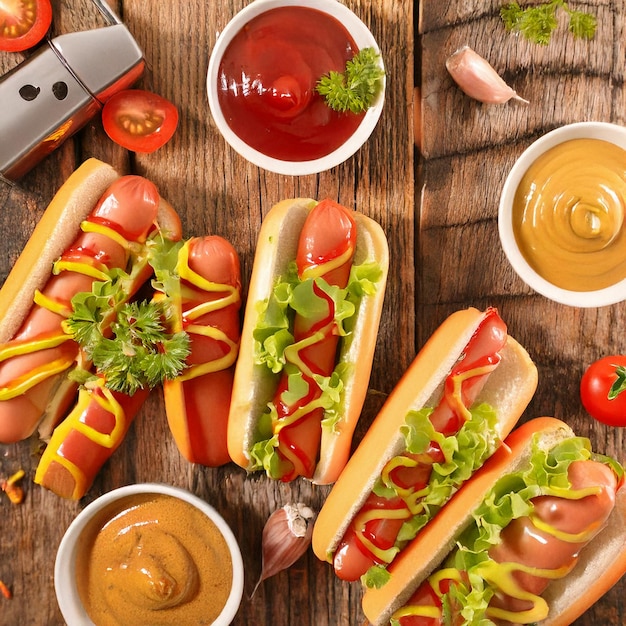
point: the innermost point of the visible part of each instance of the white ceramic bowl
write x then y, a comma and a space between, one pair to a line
363, 39
65, 565
580, 130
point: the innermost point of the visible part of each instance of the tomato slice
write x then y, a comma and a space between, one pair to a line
23, 23
139, 120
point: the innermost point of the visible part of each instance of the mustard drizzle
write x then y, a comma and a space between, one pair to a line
582, 537
292, 355
501, 576
232, 296
215, 365
51, 304
411, 496
317, 271
22, 384
418, 611
455, 398
292, 352
394, 463
87, 226
15, 348
435, 612
297, 415
79, 267
75, 421
11, 349
383, 555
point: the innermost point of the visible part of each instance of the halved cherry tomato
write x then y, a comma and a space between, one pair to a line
23, 23
603, 390
139, 120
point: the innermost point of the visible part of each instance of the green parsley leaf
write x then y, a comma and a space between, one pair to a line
538, 22
619, 386
128, 343
510, 14
582, 25
356, 88
140, 353
95, 309
376, 577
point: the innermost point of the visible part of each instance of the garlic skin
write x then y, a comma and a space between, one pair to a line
477, 78
286, 537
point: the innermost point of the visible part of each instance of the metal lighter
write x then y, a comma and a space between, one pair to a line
57, 90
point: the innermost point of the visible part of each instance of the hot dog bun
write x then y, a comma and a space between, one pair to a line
601, 565
55, 231
254, 385
509, 389
45, 403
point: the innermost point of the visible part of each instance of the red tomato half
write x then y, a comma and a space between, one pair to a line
603, 390
23, 23
139, 120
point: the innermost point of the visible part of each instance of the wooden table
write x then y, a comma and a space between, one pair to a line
438, 206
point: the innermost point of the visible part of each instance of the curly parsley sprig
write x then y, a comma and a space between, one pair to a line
356, 88
128, 343
537, 23
140, 353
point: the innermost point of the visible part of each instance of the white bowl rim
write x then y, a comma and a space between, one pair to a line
362, 37
613, 294
65, 564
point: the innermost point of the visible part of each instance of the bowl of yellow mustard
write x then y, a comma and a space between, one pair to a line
148, 554
562, 214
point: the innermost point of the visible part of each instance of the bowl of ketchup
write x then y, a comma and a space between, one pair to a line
262, 79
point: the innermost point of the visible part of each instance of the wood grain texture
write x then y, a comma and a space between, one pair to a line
467, 149
439, 212
216, 191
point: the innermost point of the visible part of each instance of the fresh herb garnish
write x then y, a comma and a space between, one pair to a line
356, 88
128, 343
536, 23
619, 385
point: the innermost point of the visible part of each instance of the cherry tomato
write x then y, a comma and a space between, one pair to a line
139, 120
23, 23
603, 390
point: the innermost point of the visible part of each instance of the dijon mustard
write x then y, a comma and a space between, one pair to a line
568, 215
154, 559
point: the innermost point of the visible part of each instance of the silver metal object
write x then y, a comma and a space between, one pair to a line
58, 89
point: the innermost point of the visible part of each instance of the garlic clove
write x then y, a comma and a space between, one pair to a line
286, 537
478, 79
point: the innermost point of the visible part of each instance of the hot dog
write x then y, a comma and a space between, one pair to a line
86, 439
536, 536
97, 221
308, 339
187, 334
204, 292
463, 393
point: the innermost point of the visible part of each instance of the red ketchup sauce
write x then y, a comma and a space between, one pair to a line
267, 81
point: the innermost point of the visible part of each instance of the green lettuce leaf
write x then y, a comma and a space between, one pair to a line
376, 577
274, 343
509, 499
464, 453
264, 454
